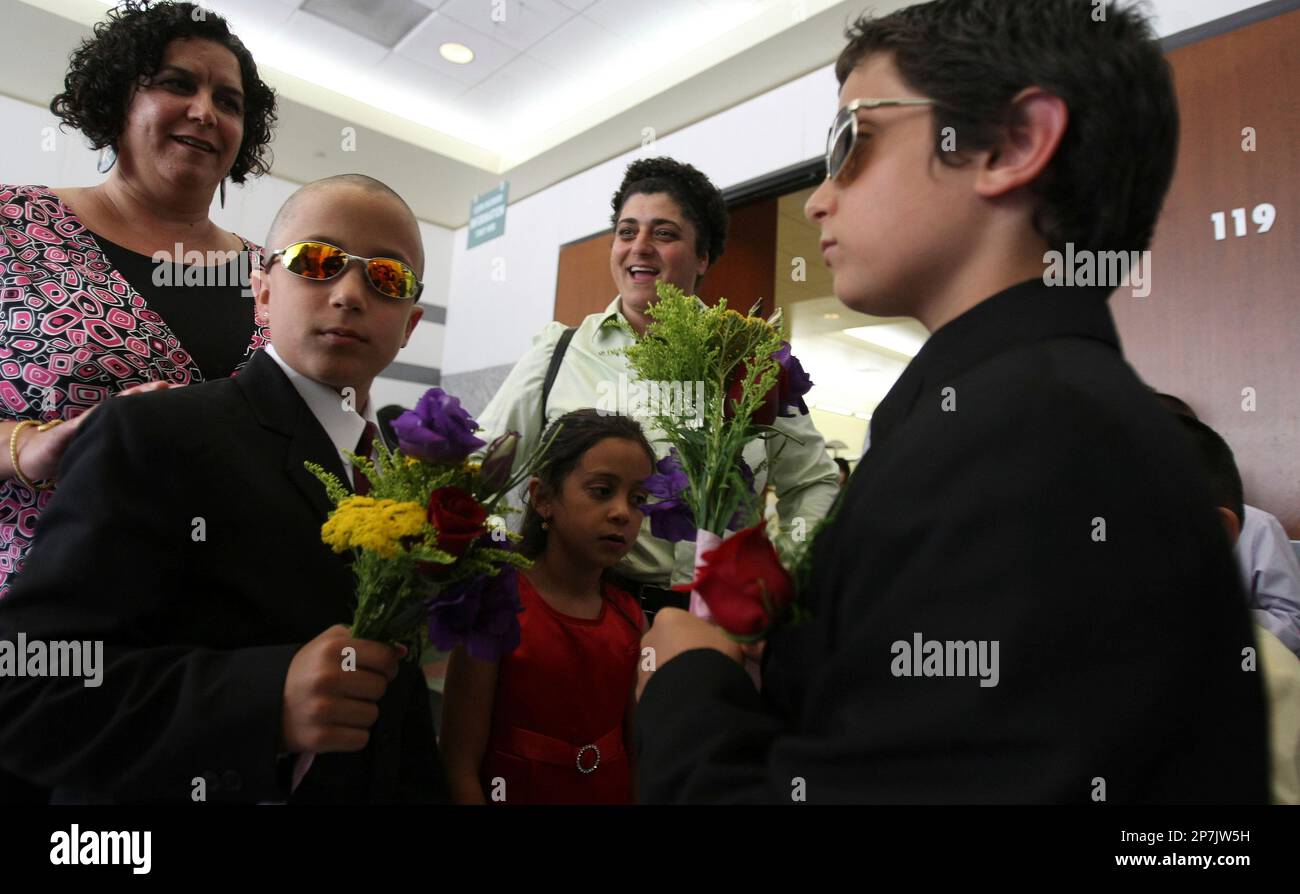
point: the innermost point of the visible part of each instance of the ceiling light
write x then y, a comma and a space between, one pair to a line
457, 53
830, 316
896, 337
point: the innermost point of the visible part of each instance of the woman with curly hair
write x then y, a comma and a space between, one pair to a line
127, 285
670, 225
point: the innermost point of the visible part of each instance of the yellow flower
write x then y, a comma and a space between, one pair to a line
472, 468
411, 461
376, 525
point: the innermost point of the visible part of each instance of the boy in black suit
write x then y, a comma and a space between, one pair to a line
185, 536
1023, 596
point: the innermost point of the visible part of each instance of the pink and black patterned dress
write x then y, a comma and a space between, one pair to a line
74, 331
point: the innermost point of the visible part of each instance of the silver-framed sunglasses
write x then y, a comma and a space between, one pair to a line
321, 261
843, 135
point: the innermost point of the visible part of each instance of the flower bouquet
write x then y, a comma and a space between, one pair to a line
703, 486
433, 561
420, 539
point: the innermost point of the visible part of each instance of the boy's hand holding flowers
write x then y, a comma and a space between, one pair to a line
675, 632
327, 708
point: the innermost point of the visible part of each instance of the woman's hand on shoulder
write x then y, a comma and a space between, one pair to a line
40, 451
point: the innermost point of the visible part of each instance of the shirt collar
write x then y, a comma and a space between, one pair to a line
342, 426
1026, 312
610, 321
613, 312
613, 315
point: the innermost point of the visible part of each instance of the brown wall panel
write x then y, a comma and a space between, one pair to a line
583, 284
746, 271
1224, 315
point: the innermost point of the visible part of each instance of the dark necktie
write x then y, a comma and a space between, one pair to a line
360, 483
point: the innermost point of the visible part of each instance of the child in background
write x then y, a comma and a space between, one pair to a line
552, 722
1270, 573
1278, 665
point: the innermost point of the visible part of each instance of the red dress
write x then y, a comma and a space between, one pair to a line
558, 719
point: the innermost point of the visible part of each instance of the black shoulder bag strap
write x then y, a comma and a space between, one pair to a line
554, 369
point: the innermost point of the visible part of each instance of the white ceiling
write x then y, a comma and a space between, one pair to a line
556, 87
543, 71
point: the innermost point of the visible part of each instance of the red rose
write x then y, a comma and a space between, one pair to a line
458, 517
764, 413
744, 585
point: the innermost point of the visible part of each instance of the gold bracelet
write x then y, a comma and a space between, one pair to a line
13, 451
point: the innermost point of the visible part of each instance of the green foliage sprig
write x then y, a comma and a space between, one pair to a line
731, 354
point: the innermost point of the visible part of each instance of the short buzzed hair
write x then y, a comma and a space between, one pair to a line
359, 181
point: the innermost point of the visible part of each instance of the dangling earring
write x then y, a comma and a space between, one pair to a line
107, 158
223, 192
546, 524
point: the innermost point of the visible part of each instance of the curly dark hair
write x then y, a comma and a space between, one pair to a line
699, 199
127, 49
572, 435
1104, 187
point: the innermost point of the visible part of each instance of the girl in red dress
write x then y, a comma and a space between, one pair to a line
552, 723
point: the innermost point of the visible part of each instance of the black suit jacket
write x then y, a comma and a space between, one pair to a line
1120, 658
185, 534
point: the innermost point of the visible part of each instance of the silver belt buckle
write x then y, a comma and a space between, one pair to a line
581, 752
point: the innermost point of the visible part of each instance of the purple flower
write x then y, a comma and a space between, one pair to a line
481, 614
793, 383
671, 518
740, 519
670, 480
437, 430
499, 461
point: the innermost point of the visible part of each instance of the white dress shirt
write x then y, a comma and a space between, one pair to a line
337, 415
1271, 576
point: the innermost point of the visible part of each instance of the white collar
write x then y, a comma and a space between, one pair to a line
342, 425
614, 310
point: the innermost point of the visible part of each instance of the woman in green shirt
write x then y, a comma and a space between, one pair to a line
670, 224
